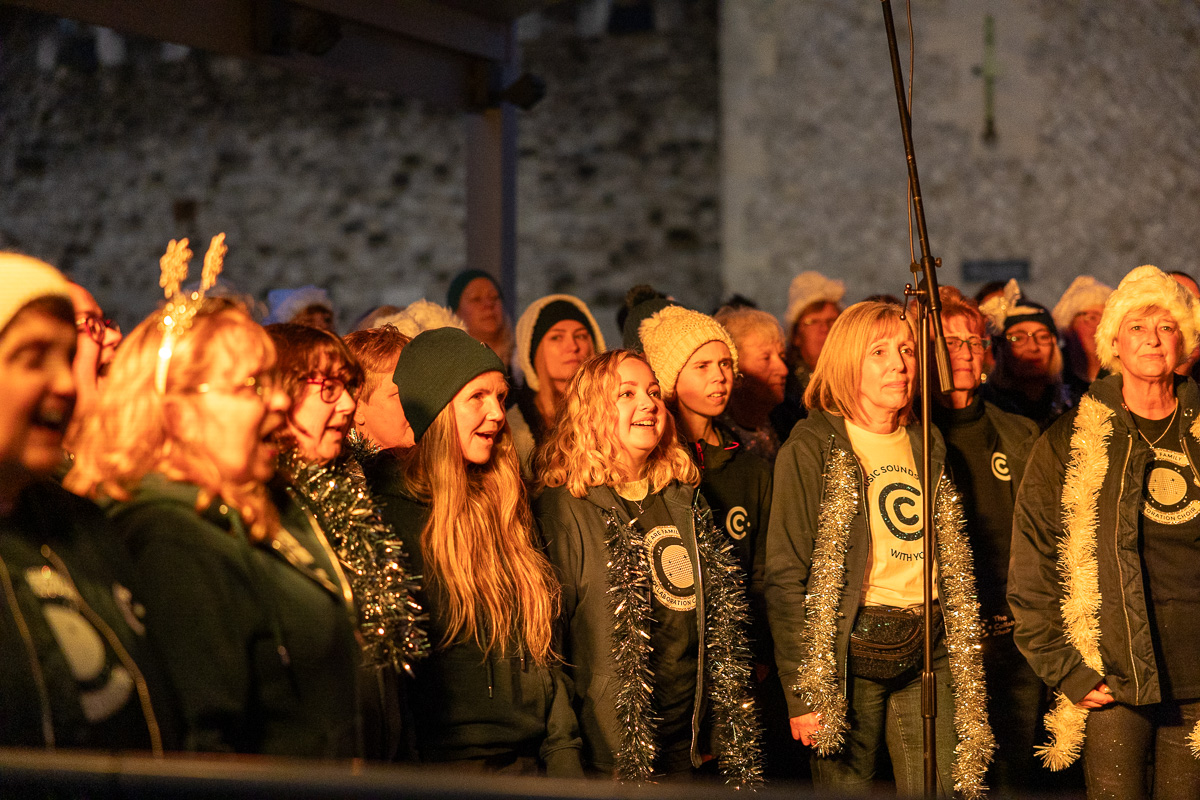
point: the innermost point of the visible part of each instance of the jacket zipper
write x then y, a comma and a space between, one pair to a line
35, 666
1137, 687
139, 680
700, 625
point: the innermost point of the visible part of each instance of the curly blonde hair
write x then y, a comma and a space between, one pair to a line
582, 450
479, 546
132, 431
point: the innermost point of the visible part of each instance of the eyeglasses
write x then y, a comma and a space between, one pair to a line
812, 322
956, 344
332, 388
261, 385
96, 326
1041, 338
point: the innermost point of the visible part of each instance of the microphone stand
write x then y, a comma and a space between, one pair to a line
930, 318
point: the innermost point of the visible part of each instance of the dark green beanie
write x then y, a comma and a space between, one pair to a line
433, 367
459, 285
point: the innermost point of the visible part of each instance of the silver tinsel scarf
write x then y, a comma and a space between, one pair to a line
819, 681
391, 621
727, 657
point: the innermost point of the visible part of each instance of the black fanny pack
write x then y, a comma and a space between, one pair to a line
888, 642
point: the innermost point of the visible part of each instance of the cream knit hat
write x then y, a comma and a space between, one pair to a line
527, 348
808, 288
672, 335
1143, 287
25, 280
1084, 292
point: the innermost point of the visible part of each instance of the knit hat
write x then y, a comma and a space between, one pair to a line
672, 335
630, 336
422, 316
1084, 292
433, 367
285, 304
539, 318
808, 288
25, 280
1144, 287
459, 285
1008, 309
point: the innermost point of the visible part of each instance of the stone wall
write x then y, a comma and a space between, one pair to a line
1095, 167
107, 157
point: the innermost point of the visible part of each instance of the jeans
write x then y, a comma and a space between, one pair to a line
889, 712
1133, 752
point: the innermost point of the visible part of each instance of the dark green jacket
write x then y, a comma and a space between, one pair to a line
575, 534
258, 640
466, 705
737, 485
74, 661
792, 534
1035, 588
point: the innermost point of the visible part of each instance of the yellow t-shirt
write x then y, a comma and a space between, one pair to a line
894, 508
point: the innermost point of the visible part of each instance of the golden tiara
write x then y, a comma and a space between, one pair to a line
181, 307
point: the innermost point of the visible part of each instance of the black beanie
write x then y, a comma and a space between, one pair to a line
1028, 311
434, 367
630, 337
554, 313
459, 285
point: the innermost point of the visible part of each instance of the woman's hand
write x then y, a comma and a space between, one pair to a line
804, 726
1096, 698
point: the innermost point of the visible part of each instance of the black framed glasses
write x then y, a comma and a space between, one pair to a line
1018, 339
332, 387
96, 326
955, 344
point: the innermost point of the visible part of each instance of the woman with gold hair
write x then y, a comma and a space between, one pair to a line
844, 573
655, 615
246, 611
491, 695
1104, 572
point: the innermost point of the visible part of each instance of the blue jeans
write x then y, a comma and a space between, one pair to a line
889, 712
1134, 752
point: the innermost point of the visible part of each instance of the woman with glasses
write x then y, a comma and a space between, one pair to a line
986, 450
1027, 379
1104, 575
247, 610
844, 572
317, 481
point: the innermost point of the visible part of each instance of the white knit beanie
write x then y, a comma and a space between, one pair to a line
421, 316
672, 335
1083, 293
808, 288
27, 279
528, 321
1142, 288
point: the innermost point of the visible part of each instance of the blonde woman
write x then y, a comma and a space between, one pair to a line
490, 696
247, 613
655, 619
843, 574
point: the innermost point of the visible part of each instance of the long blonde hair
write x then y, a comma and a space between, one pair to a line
479, 545
130, 432
582, 449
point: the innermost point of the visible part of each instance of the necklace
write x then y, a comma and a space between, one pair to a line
635, 492
1170, 422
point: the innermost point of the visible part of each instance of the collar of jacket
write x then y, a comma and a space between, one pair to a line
1107, 390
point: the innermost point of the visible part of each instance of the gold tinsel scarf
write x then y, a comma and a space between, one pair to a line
819, 678
726, 659
391, 621
1087, 466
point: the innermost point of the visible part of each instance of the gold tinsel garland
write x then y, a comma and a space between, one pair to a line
819, 676
727, 653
